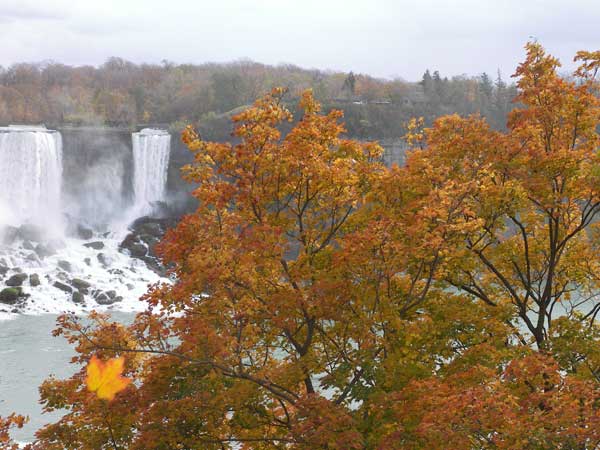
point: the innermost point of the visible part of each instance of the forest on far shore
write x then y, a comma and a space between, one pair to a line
121, 93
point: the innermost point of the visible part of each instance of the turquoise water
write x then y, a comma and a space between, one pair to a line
28, 355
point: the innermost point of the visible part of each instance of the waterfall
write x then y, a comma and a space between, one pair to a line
151, 149
30, 176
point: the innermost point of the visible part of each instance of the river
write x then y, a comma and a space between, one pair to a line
28, 355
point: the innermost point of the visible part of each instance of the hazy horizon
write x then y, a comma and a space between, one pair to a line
382, 38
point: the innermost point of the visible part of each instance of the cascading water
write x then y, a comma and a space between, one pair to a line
151, 151
30, 176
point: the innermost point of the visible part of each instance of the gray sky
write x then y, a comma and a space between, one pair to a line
385, 38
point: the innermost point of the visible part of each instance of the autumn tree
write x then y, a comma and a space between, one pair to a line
322, 300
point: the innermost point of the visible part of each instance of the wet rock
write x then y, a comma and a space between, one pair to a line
65, 265
10, 296
77, 297
16, 280
63, 287
3, 270
138, 250
88, 261
96, 245
80, 285
84, 232
62, 276
102, 299
104, 259
45, 250
34, 280
27, 245
34, 258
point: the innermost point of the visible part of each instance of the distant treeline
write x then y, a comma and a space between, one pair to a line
121, 93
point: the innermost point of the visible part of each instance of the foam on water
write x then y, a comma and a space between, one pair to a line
128, 277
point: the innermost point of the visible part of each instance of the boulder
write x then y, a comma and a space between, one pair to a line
103, 299
65, 265
3, 270
84, 232
33, 257
138, 250
77, 297
10, 296
96, 245
63, 287
34, 280
103, 259
44, 250
16, 280
80, 285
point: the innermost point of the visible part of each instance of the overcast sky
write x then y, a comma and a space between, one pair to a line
385, 38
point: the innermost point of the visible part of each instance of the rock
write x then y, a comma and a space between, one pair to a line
30, 232
88, 261
34, 280
65, 265
103, 299
155, 266
130, 286
153, 229
16, 280
62, 276
111, 294
103, 259
84, 232
63, 287
80, 285
34, 258
27, 245
138, 250
10, 296
96, 245
77, 297
44, 250
3, 270
118, 298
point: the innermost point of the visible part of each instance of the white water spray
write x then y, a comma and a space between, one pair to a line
30, 176
151, 151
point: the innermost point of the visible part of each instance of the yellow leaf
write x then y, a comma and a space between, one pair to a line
105, 379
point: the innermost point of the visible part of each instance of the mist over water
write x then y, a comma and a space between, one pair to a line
98, 199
